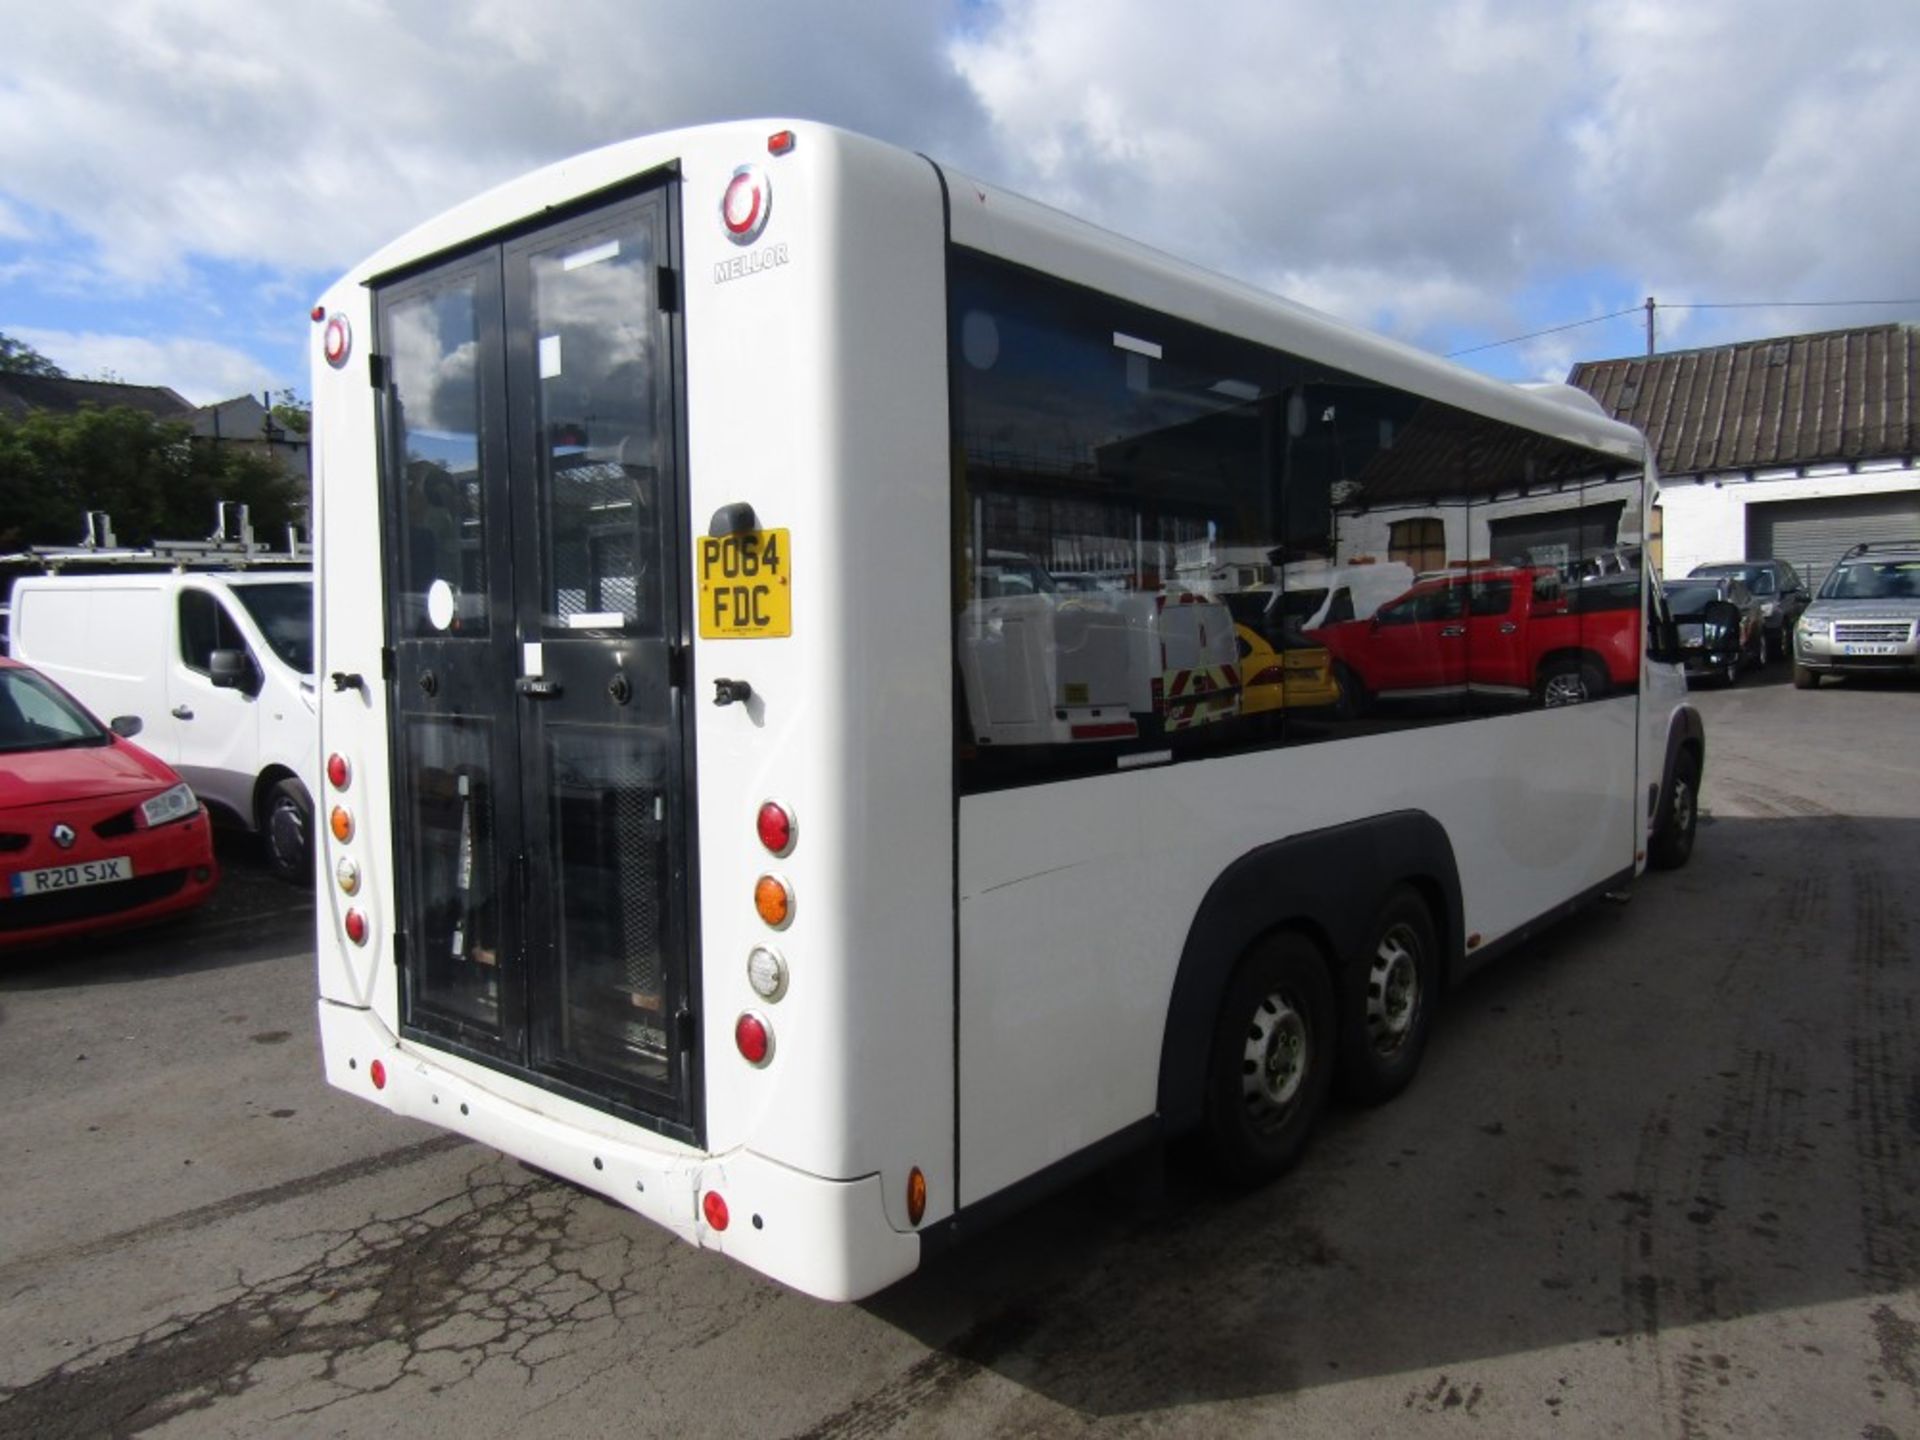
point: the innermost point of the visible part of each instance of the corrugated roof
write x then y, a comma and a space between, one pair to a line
1837, 397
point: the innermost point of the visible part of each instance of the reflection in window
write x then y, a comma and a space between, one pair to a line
596, 318
437, 408
1170, 541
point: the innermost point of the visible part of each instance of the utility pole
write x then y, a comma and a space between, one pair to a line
1649, 327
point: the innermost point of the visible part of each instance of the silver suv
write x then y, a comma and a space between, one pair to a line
1866, 618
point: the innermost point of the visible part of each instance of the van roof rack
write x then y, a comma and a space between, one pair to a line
231, 546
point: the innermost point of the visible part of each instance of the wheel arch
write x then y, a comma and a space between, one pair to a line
1330, 885
263, 788
1685, 732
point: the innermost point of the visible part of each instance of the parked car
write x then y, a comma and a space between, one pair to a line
1782, 594
1503, 632
1721, 627
95, 833
1865, 618
219, 668
1278, 667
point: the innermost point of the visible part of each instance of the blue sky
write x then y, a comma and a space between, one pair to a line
179, 178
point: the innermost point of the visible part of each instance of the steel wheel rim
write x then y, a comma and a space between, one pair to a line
1682, 807
1393, 989
1275, 1060
287, 832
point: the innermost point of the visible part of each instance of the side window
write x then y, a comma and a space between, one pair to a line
205, 626
1491, 597
1418, 544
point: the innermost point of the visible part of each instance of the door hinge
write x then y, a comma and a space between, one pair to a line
684, 1030
667, 282
677, 668
386, 662
376, 370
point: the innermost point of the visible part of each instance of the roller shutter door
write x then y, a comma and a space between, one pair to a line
1811, 534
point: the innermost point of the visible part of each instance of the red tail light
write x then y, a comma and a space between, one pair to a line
338, 771
715, 1209
754, 1037
355, 925
775, 824
377, 1072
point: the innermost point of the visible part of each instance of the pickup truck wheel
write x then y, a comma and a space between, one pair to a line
1673, 841
1387, 1007
1354, 700
1270, 1067
287, 826
1571, 682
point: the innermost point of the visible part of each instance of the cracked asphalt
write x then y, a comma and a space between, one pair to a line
1660, 1177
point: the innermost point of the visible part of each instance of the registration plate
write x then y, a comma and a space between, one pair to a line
70, 877
1869, 649
745, 585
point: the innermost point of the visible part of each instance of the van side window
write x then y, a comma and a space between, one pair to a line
205, 627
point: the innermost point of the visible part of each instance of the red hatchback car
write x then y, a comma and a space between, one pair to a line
95, 833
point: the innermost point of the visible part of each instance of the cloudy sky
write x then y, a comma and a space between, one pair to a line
179, 178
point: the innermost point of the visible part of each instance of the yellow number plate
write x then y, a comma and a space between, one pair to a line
745, 592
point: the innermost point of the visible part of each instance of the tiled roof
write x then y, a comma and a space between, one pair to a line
1798, 400
20, 394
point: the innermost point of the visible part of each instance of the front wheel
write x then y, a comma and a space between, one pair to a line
1271, 1064
1803, 678
1389, 997
1673, 841
286, 824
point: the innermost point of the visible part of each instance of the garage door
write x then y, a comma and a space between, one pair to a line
1812, 534
1554, 537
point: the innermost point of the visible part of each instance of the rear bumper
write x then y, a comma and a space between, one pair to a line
828, 1238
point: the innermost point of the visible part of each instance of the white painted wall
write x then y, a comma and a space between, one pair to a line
1706, 519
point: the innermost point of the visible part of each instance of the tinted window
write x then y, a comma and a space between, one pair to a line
37, 715
1225, 493
284, 614
1873, 580
205, 626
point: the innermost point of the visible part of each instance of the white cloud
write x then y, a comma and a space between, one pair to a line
202, 371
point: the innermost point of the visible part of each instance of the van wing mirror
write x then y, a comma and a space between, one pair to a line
126, 726
229, 670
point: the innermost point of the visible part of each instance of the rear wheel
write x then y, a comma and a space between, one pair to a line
1271, 1063
286, 824
1388, 1002
1569, 681
1673, 841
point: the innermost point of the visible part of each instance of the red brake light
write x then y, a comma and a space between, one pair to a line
715, 1209
355, 925
776, 828
780, 142
338, 771
754, 1037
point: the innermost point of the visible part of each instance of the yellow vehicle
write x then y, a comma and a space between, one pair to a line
1278, 671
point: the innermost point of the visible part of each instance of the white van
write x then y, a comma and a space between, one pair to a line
219, 668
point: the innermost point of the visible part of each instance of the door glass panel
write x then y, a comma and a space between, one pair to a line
437, 401
609, 794
596, 332
451, 869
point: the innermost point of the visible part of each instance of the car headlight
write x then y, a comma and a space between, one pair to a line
169, 806
1815, 625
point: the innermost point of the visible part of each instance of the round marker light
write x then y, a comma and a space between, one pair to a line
341, 823
773, 898
377, 1072
767, 973
754, 1037
745, 205
916, 1195
337, 341
715, 1209
338, 771
775, 824
347, 874
355, 924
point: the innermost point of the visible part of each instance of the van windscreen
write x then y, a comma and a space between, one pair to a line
284, 613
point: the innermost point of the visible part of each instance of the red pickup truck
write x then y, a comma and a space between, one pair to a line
1501, 631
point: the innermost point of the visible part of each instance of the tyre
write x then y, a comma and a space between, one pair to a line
1568, 681
1730, 672
1673, 841
1387, 1002
1270, 1066
286, 825
1354, 700
1803, 678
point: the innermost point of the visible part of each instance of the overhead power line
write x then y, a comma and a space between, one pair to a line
1679, 305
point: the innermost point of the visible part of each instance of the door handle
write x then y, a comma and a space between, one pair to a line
183, 712
538, 687
1453, 632
1507, 627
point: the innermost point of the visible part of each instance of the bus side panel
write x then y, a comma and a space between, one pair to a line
817, 394
349, 633
1077, 899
